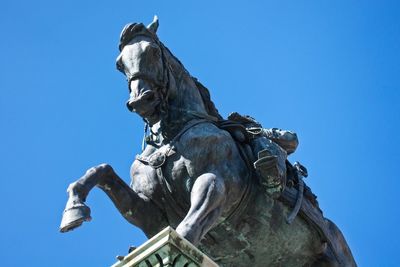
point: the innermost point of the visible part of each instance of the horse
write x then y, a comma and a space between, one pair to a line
193, 174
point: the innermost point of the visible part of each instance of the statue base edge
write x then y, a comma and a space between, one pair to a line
167, 248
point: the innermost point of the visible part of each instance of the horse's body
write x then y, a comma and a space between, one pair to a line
193, 176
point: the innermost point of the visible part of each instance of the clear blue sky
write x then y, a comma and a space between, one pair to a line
328, 70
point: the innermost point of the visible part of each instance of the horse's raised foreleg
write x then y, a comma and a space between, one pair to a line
135, 208
207, 200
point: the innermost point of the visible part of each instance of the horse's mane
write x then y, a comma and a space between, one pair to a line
133, 29
208, 103
204, 92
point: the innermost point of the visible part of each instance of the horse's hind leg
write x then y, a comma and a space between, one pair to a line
136, 209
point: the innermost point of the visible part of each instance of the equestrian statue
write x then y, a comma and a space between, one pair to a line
225, 185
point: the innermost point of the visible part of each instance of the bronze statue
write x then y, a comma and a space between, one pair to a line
224, 185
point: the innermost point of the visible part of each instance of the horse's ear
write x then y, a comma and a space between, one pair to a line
154, 25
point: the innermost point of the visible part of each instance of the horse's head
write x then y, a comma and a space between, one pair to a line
142, 60
160, 87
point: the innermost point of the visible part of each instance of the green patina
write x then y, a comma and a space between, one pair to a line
166, 249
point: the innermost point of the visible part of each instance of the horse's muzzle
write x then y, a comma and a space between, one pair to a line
141, 104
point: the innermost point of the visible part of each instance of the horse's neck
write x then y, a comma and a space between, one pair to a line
185, 105
188, 98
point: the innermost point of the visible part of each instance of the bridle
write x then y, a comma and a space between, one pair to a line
164, 84
132, 31
162, 87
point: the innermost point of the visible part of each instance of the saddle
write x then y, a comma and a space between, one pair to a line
264, 155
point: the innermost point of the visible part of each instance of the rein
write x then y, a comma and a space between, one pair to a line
157, 161
163, 88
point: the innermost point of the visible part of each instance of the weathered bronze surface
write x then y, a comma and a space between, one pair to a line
223, 184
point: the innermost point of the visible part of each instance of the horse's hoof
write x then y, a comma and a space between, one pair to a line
74, 217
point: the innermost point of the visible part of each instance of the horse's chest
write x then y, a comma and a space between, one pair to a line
144, 179
159, 172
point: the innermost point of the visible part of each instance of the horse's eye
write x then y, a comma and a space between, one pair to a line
157, 52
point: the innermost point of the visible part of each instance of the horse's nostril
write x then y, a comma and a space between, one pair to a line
142, 102
128, 105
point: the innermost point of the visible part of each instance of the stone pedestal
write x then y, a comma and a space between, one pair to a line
166, 249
